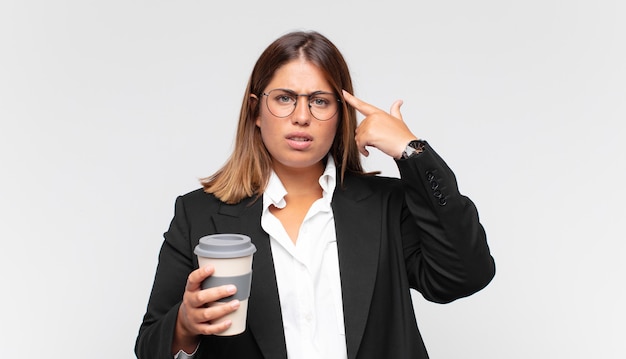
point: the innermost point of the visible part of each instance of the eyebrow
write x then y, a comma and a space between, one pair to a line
304, 94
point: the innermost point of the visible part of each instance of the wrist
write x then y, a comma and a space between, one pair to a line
184, 339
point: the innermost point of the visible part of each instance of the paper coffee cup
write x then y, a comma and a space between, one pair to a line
231, 256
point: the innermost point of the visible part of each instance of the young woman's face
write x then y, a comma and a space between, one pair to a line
297, 140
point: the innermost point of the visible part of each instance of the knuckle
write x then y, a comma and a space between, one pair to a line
230, 307
220, 327
206, 315
228, 289
207, 330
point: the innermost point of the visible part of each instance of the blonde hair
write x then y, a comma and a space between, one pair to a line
248, 168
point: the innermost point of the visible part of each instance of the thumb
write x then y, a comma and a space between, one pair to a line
395, 109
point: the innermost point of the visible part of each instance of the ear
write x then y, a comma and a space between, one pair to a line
253, 102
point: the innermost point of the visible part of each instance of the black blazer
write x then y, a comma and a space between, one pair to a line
392, 234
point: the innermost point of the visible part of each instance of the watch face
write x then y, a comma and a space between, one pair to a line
408, 152
413, 148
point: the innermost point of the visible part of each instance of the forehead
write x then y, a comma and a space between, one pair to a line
301, 76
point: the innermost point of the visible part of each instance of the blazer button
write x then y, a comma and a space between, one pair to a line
437, 194
442, 201
430, 176
434, 185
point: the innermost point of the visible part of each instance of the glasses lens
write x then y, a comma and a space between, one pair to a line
322, 105
281, 103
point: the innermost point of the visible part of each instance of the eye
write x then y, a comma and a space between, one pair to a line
320, 101
284, 98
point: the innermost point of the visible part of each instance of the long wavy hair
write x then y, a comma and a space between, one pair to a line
249, 167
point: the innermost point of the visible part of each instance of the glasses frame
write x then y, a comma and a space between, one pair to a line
297, 96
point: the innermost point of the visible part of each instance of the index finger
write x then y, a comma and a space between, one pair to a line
195, 278
363, 107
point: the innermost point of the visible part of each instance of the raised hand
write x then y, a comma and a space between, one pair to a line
379, 129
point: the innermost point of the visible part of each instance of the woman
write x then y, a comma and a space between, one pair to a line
337, 249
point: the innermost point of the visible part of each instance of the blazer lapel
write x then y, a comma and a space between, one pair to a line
357, 225
264, 315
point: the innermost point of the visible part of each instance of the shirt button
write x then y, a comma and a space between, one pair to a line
308, 317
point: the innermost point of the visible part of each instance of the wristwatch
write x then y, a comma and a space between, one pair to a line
413, 148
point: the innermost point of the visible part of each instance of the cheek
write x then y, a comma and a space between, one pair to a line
263, 125
267, 130
263, 120
332, 130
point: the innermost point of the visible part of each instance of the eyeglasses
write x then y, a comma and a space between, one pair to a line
322, 105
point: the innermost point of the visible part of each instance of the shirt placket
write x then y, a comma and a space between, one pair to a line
306, 292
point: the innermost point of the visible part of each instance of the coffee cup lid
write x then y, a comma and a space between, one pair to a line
224, 246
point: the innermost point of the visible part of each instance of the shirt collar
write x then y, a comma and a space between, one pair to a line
328, 180
275, 192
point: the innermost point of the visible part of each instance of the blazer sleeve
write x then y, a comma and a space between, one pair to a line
175, 263
449, 258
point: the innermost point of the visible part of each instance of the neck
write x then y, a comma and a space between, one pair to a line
300, 180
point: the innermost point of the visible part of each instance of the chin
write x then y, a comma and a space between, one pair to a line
299, 163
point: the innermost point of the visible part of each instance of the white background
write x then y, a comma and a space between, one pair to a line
110, 109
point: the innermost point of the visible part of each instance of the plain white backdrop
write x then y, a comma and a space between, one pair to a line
110, 109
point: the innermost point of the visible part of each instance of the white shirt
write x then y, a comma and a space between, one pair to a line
307, 274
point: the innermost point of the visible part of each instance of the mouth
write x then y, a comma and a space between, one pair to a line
299, 141
299, 137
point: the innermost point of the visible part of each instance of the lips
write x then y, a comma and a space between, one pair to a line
299, 141
302, 137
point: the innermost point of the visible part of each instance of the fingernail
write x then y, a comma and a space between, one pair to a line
234, 304
231, 289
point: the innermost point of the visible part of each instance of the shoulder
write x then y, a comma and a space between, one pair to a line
201, 203
198, 196
197, 202
367, 185
372, 181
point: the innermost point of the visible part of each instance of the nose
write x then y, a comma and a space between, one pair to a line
301, 114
